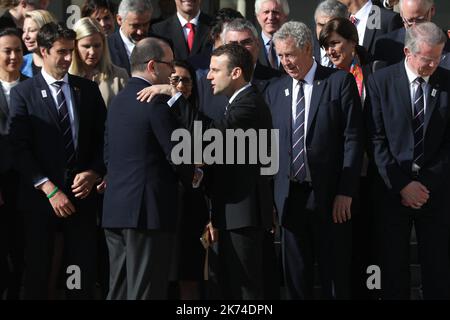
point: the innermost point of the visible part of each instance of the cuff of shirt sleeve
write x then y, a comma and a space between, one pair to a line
40, 182
174, 99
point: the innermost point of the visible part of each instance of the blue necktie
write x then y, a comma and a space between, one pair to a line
418, 122
298, 133
64, 123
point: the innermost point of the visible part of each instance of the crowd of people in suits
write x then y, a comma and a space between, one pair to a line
361, 105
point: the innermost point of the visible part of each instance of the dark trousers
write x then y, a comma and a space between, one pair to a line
308, 236
79, 233
394, 234
240, 263
139, 263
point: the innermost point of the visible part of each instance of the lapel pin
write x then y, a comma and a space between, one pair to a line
433, 93
286, 92
318, 83
44, 93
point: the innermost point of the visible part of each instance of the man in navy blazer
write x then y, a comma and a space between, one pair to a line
134, 20
408, 109
188, 30
57, 135
140, 204
318, 113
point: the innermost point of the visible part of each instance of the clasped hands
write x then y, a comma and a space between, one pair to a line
414, 195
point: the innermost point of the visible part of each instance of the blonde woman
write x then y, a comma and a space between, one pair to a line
34, 20
91, 59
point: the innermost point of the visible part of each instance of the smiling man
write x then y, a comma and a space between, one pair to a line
271, 14
188, 29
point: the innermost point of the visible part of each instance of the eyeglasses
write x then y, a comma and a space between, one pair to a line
175, 80
170, 64
412, 21
429, 60
244, 43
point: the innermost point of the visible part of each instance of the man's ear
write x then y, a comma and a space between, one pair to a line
23, 3
406, 51
119, 20
43, 51
236, 73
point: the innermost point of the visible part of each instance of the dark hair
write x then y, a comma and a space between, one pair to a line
10, 32
145, 50
223, 16
52, 32
238, 57
193, 99
347, 30
91, 6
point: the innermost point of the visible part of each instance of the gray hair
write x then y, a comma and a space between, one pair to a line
426, 32
425, 4
127, 6
283, 3
332, 9
145, 50
239, 25
298, 31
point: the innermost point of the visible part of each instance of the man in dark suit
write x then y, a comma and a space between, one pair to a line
240, 194
57, 135
318, 113
242, 32
325, 11
371, 21
134, 21
408, 108
11, 220
188, 29
389, 47
140, 206
271, 14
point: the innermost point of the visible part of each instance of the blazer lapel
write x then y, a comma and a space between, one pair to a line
45, 94
76, 105
286, 105
432, 97
318, 87
3, 103
401, 85
178, 38
200, 32
369, 33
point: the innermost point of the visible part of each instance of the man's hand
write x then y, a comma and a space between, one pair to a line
197, 178
214, 233
147, 94
83, 183
341, 209
101, 187
414, 195
60, 203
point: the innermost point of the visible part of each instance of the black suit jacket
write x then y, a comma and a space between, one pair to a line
389, 47
334, 140
214, 106
241, 196
4, 109
171, 29
117, 51
38, 141
142, 183
263, 59
389, 120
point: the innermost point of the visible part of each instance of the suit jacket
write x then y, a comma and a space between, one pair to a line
389, 120
117, 51
334, 139
171, 29
38, 141
389, 47
241, 196
142, 183
389, 21
4, 109
214, 106
262, 58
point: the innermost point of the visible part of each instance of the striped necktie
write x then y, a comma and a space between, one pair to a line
298, 133
418, 122
64, 123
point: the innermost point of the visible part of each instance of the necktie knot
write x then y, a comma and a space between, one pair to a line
58, 84
420, 80
190, 26
354, 20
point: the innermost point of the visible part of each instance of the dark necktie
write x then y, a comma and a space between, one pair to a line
64, 123
272, 55
191, 35
354, 20
298, 133
418, 121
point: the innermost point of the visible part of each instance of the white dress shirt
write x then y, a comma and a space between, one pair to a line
7, 86
363, 15
266, 41
183, 22
129, 45
307, 89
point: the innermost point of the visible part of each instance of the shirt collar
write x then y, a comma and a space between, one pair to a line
239, 91
265, 38
143, 79
50, 80
126, 39
412, 76
364, 11
309, 78
183, 21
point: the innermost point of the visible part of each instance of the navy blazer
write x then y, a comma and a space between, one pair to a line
118, 52
142, 182
171, 29
38, 141
334, 140
389, 120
